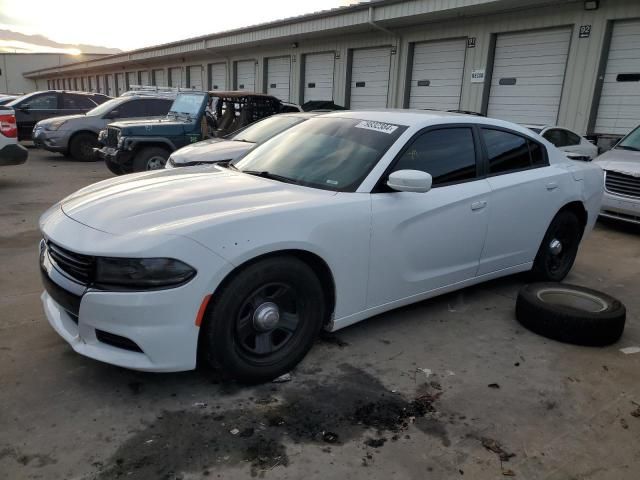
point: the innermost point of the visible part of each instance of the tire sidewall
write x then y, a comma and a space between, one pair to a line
75, 147
142, 158
540, 269
220, 327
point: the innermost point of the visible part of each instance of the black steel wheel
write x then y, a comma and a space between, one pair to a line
265, 319
559, 248
82, 145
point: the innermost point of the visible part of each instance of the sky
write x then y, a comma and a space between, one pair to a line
130, 24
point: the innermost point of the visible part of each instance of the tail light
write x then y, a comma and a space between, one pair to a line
8, 126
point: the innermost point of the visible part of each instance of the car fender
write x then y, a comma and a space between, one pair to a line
134, 143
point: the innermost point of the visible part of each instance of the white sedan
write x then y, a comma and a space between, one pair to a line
340, 218
575, 146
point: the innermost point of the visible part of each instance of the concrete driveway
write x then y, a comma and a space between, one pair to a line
448, 388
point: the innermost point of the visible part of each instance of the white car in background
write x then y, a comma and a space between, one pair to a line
340, 218
234, 145
621, 167
575, 146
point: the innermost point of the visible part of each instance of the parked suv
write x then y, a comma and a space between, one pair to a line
33, 107
11, 152
78, 134
136, 146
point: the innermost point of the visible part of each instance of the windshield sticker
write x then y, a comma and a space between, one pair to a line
377, 126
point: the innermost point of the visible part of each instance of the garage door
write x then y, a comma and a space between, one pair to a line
619, 109
132, 79
195, 77
246, 75
318, 76
175, 77
218, 76
370, 78
111, 87
528, 74
436, 74
120, 86
278, 77
144, 78
158, 78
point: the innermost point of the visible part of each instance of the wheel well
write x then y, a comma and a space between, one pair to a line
143, 145
578, 209
317, 264
75, 134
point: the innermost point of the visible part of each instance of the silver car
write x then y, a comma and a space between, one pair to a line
77, 135
621, 167
234, 145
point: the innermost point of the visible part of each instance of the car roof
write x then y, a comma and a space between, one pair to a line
423, 118
298, 114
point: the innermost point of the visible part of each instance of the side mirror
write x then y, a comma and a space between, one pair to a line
410, 181
24, 109
113, 114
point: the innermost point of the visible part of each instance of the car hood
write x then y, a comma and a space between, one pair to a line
625, 161
151, 126
66, 118
178, 201
209, 151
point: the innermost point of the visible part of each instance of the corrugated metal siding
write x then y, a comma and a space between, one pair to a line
582, 63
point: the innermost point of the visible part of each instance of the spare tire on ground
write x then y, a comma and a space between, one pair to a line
570, 313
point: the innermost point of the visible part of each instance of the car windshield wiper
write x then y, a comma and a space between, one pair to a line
242, 140
626, 147
266, 174
231, 166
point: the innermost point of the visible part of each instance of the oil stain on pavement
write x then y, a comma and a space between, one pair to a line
346, 407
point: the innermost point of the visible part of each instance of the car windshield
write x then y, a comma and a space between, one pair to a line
265, 129
187, 104
15, 101
327, 153
631, 141
106, 107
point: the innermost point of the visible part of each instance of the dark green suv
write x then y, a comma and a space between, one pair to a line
139, 145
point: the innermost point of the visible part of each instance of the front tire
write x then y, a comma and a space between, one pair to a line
150, 158
265, 320
82, 145
559, 248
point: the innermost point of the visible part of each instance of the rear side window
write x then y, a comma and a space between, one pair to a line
447, 154
76, 102
509, 152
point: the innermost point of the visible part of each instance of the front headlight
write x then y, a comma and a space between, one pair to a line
142, 273
121, 140
171, 163
102, 135
55, 124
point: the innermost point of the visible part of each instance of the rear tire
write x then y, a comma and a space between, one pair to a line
150, 158
559, 248
254, 348
82, 145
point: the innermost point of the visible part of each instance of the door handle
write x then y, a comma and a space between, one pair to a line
552, 186
478, 205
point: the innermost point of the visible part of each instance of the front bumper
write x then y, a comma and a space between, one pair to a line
13, 154
620, 207
152, 330
51, 140
120, 158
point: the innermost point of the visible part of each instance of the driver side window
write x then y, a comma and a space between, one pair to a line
448, 154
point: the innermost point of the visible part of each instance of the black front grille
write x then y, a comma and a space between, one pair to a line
117, 341
77, 266
112, 137
622, 184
